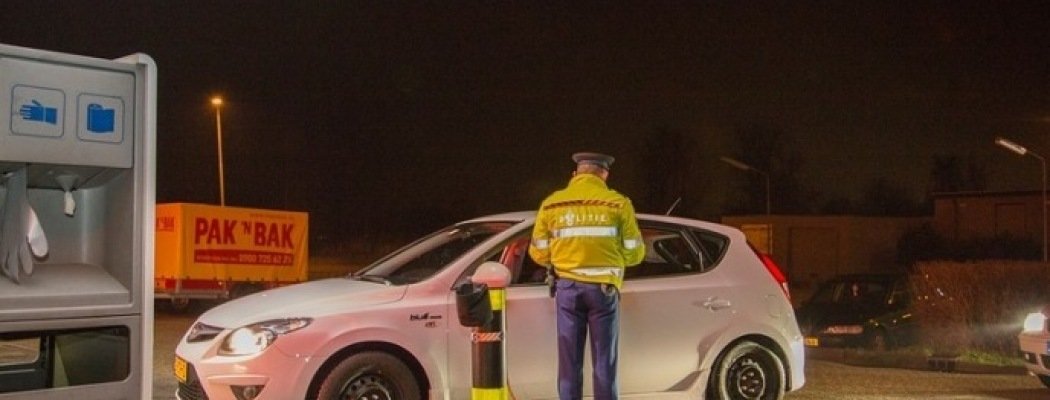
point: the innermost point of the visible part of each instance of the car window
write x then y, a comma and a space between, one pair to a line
667, 252
529, 272
852, 291
712, 245
900, 295
515, 255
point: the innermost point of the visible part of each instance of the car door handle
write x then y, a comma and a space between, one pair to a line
715, 303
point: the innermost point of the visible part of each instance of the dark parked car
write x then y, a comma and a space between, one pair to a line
859, 310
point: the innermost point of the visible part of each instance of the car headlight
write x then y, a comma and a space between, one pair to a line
844, 329
257, 337
1035, 322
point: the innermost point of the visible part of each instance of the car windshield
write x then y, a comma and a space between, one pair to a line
425, 257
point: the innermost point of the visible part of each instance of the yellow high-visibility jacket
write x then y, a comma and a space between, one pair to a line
587, 232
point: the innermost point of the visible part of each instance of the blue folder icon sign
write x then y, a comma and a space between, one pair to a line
100, 119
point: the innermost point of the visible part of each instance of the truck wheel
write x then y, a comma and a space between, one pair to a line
244, 289
369, 375
180, 304
747, 371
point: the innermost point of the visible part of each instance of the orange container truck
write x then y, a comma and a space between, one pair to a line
215, 252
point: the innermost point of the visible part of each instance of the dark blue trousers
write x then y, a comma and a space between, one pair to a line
584, 307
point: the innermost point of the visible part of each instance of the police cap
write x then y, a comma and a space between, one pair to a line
601, 160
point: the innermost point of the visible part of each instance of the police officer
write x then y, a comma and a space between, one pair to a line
588, 234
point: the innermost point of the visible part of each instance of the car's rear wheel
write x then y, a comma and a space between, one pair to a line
369, 375
1045, 379
747, 371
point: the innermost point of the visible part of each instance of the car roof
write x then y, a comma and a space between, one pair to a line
518, 216
530, 216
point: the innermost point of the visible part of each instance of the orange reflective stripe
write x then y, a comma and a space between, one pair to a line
571, 203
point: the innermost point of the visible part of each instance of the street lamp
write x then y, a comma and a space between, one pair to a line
217, 102
1022, 151
740, 165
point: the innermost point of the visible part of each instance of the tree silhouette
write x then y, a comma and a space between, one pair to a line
951, 173
772, 151
885, 198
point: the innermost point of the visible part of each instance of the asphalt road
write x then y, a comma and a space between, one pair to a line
828, 380
168, 328
825, 380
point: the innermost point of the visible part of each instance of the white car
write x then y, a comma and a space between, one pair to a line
703, 314
1035, 344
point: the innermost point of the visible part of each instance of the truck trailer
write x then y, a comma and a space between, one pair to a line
217, 252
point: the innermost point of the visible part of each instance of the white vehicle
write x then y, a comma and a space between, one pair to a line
704, 313
1035, 345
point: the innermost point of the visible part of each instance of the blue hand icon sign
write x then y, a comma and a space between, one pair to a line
38, 112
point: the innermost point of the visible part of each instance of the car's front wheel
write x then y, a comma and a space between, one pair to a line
369, 375
747, 371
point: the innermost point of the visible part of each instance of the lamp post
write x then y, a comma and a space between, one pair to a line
740, 165
217, 102
1022, 151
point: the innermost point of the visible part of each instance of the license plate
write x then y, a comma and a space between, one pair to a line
812, 342
180, 368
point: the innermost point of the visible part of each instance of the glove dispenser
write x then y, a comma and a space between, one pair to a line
76, 224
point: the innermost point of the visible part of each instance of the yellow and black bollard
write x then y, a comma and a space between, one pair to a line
487, 340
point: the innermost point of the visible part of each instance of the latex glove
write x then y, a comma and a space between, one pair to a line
21, 235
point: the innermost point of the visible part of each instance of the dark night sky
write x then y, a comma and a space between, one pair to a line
375, 114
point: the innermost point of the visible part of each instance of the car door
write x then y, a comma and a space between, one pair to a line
458, 362
671, 307
530, 355
668, 307
458, 373
531, 330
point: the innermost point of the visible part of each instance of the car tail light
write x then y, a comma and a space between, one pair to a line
776, 272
